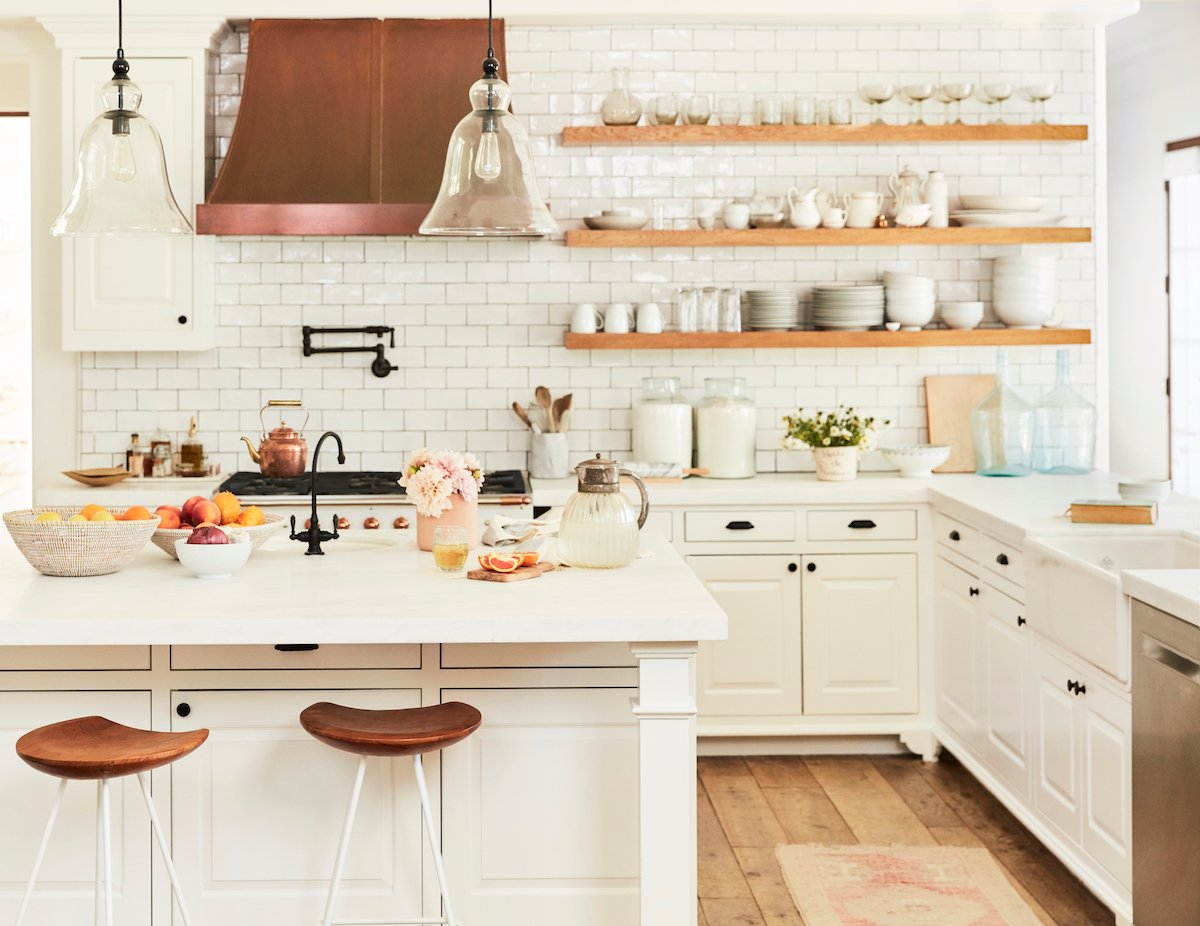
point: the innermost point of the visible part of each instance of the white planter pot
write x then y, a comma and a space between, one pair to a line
836, 464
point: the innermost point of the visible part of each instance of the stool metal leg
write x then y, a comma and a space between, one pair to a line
431, 830
106, 830
347, 827
144, 782
41, 853
98, 892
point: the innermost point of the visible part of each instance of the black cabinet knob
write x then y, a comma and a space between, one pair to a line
1080, 688
792, 567
184, 709
811, 567
182, 319
1002, 559
955, 536
974, 592
1020, 621
1071, 685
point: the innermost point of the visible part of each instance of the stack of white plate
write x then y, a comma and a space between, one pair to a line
1023, 290
910, 299
772, 310
1003, 212
848, 306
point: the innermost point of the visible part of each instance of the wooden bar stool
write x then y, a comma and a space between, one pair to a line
96, 749
408, 732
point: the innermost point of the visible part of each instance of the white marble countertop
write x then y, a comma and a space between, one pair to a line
1175, 591
367, 589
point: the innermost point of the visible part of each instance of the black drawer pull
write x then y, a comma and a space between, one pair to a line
792, 567
740, 526
297, 647
811, 567
861, 525
955, 536
1021, 621
183, 709
974, 592
1002, 559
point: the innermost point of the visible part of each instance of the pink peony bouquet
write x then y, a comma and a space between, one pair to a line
432, 477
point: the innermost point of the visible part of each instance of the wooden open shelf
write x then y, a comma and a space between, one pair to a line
821, 237
813, 134
931, 337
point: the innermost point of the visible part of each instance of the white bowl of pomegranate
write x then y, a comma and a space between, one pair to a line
211, 553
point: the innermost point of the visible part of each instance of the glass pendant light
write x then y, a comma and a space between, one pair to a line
488, 186
121, 185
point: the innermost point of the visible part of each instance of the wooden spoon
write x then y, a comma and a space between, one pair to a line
542, 394
522, 414
558, 411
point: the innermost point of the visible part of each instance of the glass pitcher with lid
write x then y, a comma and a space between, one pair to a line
599, 527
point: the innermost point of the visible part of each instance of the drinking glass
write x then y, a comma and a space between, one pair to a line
770, 109
1038, 94
666, 109
450, 548
731, 310
686, 305
729, 110
697, 110
806, 110
876, 95
709, 310
956, 93
915, 95
839, 111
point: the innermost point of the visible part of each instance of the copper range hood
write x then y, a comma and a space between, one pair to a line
344, 124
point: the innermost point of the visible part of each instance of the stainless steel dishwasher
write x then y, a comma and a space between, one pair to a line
1166, 769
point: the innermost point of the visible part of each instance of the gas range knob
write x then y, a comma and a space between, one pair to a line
343, 524
401, 523
308, 524
371, 524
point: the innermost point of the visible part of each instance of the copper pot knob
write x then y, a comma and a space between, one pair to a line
343, 524
401, 523
371, 524
308, 524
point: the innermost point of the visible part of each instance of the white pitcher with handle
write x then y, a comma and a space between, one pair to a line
803, 210
862, 209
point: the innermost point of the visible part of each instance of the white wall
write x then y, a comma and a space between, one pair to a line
1153, 75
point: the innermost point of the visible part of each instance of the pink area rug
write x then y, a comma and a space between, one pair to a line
899, 886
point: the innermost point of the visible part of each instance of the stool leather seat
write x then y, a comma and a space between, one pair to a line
94, 748
405, 732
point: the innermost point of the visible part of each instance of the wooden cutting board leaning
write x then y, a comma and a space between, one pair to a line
948, 404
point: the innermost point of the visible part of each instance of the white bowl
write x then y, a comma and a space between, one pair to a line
213, 560
914, 314
631, 221
1144, 489
962, 314
916, 461
1022, 313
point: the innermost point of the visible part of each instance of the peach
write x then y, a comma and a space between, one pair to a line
205, 511
191, 503
136, 513
170, 520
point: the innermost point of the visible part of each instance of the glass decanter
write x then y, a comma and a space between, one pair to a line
620, 107
1002, 427
1064, 427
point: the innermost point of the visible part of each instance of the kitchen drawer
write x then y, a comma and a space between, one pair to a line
297, 656
74, 658
1002, 559
824, 524
536, 655
956, 536
756, 525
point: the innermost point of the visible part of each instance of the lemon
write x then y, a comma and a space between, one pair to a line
49, 516
77, 517
103, 516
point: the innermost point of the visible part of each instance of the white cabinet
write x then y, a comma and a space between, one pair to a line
959, 694
860, 633
540, 813
257, 812
757, 670
1006, 710
1083, 761
68, 876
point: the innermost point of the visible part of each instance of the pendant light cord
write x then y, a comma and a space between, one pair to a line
491, 51
121, 29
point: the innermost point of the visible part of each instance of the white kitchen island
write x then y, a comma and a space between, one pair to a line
530, 827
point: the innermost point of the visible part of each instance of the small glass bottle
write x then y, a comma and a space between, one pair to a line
726, 430
662, 423
1065, 427
1002, 427
191, 452
620, 107
135, 457
161, 461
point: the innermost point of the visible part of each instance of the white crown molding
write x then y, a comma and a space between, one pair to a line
99, 33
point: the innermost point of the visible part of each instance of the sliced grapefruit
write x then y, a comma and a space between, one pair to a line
530, 558
503, 562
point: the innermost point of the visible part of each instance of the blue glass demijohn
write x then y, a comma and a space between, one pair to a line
1002, 426
1064, 428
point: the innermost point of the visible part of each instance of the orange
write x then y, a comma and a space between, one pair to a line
137, 513
90, 511
251, 516
229, 506
529, 558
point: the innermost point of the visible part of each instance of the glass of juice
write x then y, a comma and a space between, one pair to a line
450, 548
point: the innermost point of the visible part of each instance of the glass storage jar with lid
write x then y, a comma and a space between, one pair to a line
726, 429
662, 423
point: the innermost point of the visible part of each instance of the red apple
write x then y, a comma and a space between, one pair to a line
208, 534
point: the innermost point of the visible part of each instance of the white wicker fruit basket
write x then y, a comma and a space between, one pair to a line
165, 538
76, 548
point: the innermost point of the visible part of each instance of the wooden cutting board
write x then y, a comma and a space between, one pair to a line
517, 575
948, 404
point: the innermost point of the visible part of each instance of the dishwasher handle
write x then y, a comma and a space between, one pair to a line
1172, 659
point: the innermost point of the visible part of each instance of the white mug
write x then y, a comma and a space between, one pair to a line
649, 318
834, 218
586, 319
619, 318
862, 209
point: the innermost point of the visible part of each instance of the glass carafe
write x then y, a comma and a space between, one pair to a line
1002, 427
726, 430
662, 423
1064, 427
599, 527
620, 107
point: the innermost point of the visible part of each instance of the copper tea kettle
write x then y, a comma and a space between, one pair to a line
283, 452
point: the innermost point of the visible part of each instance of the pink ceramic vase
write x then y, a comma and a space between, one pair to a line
462, 513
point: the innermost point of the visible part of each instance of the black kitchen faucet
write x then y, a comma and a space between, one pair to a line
313, 535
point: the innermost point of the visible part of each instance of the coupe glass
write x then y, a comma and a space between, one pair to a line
876, 95
1038, 94
956, 93
697, 110
995, 95
915, 95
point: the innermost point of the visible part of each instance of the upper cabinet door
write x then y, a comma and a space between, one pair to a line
135, 293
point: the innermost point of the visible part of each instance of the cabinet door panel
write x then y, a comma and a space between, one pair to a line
1057, 776
1108, 798
860, 634
757, 670
541, 809
1006, 697
959, 691
258, 812
68, 876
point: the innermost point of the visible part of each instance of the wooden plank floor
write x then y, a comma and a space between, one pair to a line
749, 806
